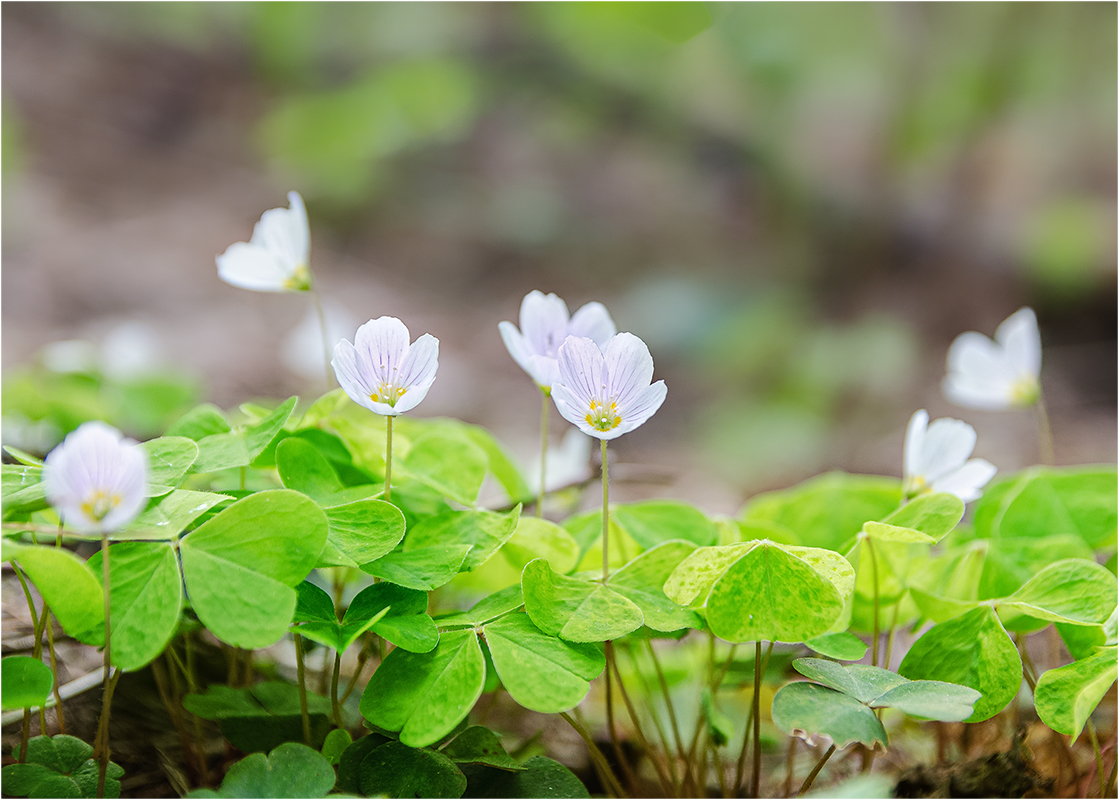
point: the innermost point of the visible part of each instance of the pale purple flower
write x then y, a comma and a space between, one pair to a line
381, 371
545, 325
998, 374
96, 479
276, 258
936, 459
606, 392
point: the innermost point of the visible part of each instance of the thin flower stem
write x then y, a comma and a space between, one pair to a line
107, 695
605, 517
25, 734
667, 699
662, 774
720, 773
317, 302
1099, 757
815, 771
1044, 434
758, 675
726, 667
159, 675
890, 638
543, 452
54, 670
334, 707
740, 771
388, 458
790, 765
631, 779
1028, 669
301, 672
37, 654
602, 766
661, 733
362, 660
874, 578
1110, 790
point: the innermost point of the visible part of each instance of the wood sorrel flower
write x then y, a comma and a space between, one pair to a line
606, 393
544, 326
96, 479
275, 259
998, 374
936, 459
381, 371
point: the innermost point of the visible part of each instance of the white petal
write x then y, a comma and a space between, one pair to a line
947, 445
515, 344
418, 372
543, 323
978, 374
630, 369
355, 378
914, 438
592, 321
648, 402
1021, 342
574, 409
967, 481
248, 266
544, 370
968, 393
582, 370
382, 345
283, 232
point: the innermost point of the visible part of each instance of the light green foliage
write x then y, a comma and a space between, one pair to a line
586, 529
238, 448
424, 568
146, 597
924, 520
258, 718
642, 579
241, 565
316, 620
170, 515
25, 682
970, 650
827, 510
485, 610
574, 609
397, 770
406, 623
1067, 696
808, 709
482, 532
538, 538
198, 423
541, 672
23, 490
655, 521
1045, 501
66, 583
169, 458
362, 531
1072, 590
452, 465
1008, 563
691, 581
59, 766
424, 696
291, 770
842, 646
335, 744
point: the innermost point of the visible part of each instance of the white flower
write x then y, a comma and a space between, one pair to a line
998, 374
381, 371
275, 259
544, 326
936, 459
568, 464
96, 479
606, 392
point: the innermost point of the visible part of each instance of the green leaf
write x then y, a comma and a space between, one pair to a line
1072, 590
827, 510
690, 582
66, 583
170, 516
291, 770
863, 683
23, 490
541, 777
169, 458
655, 521
303, 468
1044, 501
541, 672
1066, 697
642, 579
928, 518
350, 762
773, 595
452, 465
24, 682
940, 609
240, 566
23, 457
1009, 563
478, 745
59, 766
423, 569
396, 770
198, 423
485, 610
364, 530
970, 650
405, 624
336, 743
946, 702
239, 448
807, 709
424, 696
501, 465
576, 610
842, 646
719, 725
146, 598
261, 717
483, 531
538, 538
315, 610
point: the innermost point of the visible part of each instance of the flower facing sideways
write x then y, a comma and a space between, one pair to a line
381, 371
276, 258
96, 479
606, 393
544, 327
998, 374
936, 459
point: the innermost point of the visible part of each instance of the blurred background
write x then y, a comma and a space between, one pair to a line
797, 206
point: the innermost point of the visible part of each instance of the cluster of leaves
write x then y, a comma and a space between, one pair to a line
239, 516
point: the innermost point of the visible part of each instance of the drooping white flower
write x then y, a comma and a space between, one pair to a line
936, 458
545, 325
381, 371
606, 393
96, 479
276, 258
999, 374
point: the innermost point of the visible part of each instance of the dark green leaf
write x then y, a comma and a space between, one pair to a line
808, 709
478, 745
396, 770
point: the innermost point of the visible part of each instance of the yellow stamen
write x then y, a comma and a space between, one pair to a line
99, 503
387, 393
604, 417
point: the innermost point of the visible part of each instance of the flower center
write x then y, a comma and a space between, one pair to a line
915, 485
604, 416
1025, 391
387, 393
99, 503
299, 280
